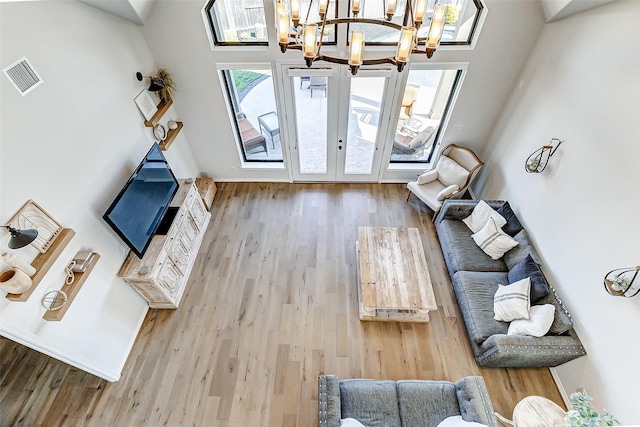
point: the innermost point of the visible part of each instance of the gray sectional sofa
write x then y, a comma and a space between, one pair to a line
408, 403
475, 277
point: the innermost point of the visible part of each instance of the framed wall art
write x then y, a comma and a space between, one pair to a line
145, 103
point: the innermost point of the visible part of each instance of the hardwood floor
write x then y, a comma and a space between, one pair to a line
270, 305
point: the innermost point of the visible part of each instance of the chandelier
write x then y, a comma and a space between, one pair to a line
306, 37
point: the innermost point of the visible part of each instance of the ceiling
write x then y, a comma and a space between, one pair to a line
136, 11
559, 9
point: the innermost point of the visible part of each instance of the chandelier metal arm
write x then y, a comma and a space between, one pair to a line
411, 17
356, 20
296, 35
337, 60
344, 61
306, 19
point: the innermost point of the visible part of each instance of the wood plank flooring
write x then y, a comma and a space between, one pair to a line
270, 305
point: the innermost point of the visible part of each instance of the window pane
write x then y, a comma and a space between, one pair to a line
365, 100
460, 21
379, 34
252, 98
235, 22
329, 36
311, 123
425, 102
314, 16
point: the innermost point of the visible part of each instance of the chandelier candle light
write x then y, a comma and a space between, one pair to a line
308, 36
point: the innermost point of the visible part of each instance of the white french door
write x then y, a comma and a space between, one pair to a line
336, 123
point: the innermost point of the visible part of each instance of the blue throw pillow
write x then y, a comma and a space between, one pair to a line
513, 226
528, 268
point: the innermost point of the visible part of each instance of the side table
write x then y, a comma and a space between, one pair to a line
269, 124
535, 411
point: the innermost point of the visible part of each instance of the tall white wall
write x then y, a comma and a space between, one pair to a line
177, 37
70, 145
581, 85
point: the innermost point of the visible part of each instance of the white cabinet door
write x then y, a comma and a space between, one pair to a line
180, 252
190, 231
170, 277
198, 213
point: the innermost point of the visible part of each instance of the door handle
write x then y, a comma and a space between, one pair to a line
339, 144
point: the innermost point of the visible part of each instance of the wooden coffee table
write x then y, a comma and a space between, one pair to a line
393, 277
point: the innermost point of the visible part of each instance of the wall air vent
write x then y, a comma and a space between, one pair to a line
23, 76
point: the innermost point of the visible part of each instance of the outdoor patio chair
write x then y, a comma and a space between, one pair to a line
318, 83
246, 34
454, 172
405, 144
251, 138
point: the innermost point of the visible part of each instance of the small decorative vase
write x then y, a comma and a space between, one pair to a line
13, 261
15, 281
172, 124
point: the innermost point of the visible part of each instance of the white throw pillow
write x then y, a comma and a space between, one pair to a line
449, 172
481, 214
457, 421
447, 191
493, 241
538, 324
512, 302
350, 422
426, 177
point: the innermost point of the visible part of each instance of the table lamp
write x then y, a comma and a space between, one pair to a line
20, 238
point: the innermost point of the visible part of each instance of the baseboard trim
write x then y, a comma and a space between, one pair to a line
563, 392
267, 180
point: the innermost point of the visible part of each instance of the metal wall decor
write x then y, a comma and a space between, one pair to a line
54, 300
31, 215
538, 160
619, 282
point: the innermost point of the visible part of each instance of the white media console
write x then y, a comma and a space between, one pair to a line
162, 274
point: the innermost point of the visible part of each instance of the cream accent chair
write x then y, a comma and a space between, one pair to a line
456, 169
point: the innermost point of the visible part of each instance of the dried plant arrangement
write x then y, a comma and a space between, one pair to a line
168, 84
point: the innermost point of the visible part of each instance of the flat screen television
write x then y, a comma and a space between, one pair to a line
141, 205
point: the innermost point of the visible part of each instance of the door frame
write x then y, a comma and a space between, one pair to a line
287, 71
387, 111
338, 98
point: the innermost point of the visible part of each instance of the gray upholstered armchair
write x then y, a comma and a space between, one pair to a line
454, 172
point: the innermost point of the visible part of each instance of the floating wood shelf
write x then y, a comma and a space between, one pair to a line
72, 290
162, 108
171, 135
43, 262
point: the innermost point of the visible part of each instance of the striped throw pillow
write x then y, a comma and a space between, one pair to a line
493, 241
512, 302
